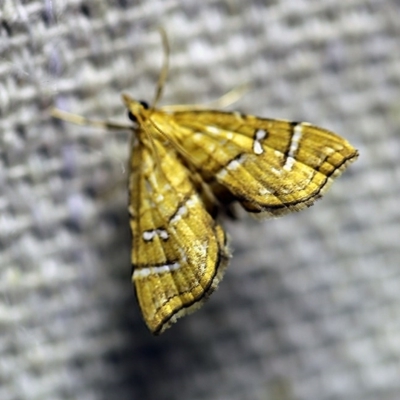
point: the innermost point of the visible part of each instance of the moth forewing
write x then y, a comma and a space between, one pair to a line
179, 251
271, 167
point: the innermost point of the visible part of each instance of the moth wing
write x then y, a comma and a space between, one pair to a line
179, 251
271, 167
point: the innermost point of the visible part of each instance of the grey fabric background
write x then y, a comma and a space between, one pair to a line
310, 305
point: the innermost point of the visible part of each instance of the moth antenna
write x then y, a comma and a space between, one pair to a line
164, 69
224, 101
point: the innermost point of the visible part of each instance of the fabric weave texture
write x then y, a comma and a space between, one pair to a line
310, 305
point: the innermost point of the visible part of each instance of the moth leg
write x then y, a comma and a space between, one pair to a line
79, 120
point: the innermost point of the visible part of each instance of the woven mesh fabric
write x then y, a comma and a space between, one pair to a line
310, 305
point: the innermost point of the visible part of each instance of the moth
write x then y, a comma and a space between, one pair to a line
186, 164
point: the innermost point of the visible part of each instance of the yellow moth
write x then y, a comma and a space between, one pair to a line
186, 163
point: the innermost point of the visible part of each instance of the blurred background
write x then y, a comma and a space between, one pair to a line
310, 305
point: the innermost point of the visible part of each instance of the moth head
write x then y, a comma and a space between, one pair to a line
137, 110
